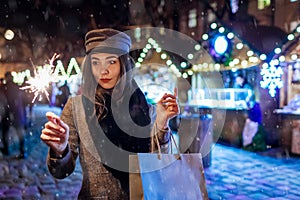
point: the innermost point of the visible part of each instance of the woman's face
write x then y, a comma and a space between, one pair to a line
106, 69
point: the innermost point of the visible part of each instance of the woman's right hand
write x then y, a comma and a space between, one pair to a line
55, 133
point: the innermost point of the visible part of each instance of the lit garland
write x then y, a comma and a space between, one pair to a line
163, 55
281, 51
236, 63
272, 72
59, 71
240, 48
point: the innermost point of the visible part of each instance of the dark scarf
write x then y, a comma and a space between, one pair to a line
139, 114
112, 134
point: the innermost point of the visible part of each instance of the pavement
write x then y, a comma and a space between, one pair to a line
29, 178
234, 173
237, 174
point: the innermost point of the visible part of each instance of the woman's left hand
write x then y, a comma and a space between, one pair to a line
167, 108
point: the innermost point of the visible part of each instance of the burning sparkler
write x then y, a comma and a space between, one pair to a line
42, 79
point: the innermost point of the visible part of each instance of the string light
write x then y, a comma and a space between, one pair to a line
59, 71
251, 57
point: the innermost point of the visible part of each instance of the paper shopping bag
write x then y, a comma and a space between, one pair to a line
135, 181
168, 177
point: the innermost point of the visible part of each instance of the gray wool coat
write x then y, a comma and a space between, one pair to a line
99, 182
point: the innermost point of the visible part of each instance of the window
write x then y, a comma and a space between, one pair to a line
262, 4
192, 18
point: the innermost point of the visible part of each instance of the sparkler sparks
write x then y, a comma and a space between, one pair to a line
42, 79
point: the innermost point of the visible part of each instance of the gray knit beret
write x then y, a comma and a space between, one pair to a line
107, 38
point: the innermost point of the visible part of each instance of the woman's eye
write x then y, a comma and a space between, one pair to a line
94, 62
112, 62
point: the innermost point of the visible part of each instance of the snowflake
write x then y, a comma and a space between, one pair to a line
271, 75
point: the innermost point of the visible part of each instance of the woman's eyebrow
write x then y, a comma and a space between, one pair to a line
96, 58
109, 57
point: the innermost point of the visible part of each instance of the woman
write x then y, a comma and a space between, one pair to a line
253, 134
108, 122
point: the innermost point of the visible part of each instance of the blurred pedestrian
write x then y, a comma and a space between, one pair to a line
28, 104
2, 83
4, 122
64, 94
53, 92
253, 133
16, 112
249, 97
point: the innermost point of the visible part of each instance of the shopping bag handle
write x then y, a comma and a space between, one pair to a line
158, 146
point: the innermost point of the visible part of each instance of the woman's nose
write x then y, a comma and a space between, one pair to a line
104, 70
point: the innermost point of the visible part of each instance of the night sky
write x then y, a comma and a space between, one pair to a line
63, 21
63, 17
